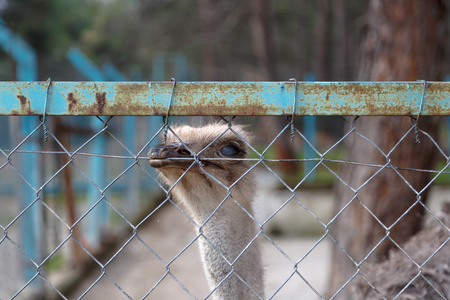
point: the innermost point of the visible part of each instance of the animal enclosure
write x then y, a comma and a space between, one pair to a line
84, 215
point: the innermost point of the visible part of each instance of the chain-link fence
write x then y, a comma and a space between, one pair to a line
224, 208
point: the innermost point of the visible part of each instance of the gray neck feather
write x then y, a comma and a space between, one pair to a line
227, 247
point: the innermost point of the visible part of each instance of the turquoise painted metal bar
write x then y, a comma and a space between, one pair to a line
225, 98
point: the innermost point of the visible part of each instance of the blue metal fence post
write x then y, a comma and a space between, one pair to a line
130, 140
181, 69
310, 132
31, 221
158, 73
98, 217
158, 69
84, 65
132, 178
447, 78
110, 72
154, 123
21, 52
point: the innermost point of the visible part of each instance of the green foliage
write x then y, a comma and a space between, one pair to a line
444, 177
50, 26
55, 262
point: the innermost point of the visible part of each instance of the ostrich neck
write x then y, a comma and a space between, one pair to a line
227, 247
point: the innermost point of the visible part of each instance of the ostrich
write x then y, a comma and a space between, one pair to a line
392, 276
208, 177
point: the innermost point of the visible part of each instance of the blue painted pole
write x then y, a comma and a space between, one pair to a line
310, 132
130, 140
21, 52
84, 65
98, 217
447, 78
31, 220
110, 72
158, 72
158, 67
153, 122
132, 176
180, 62
136, 73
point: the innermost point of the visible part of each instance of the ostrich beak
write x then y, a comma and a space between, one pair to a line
172, 155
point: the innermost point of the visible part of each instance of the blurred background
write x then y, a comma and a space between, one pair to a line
203, 40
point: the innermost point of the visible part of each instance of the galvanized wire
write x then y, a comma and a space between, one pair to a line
260, 162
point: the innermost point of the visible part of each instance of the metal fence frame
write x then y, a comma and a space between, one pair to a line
290, 98
224, 98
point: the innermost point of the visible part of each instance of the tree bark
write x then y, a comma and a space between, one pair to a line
340, 41
320, 38
261, 26
207, 17
405, 41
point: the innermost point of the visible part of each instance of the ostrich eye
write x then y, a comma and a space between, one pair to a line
229, 151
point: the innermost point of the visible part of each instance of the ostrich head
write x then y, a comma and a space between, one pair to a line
187, 146
208, 157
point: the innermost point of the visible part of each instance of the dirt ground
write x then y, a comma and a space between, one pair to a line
137, 270
162, 260
170, 242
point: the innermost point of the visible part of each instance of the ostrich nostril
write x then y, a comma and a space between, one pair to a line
183, 151
154, 152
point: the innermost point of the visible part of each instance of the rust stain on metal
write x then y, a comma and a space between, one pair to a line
373, 95
71, 101
220, 107
195, 102
22, 99
131, 97
190, 99
101, 101
75, 106
237, 98
126, 99
368, 98
25, 107
431, 91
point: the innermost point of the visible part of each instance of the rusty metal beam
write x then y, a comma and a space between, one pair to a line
225, 98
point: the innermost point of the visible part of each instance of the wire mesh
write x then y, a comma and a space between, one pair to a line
143, 236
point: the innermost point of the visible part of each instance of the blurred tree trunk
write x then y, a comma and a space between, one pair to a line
301, 44
261, 26
404, 41
320, 38
340, 41
207, 17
